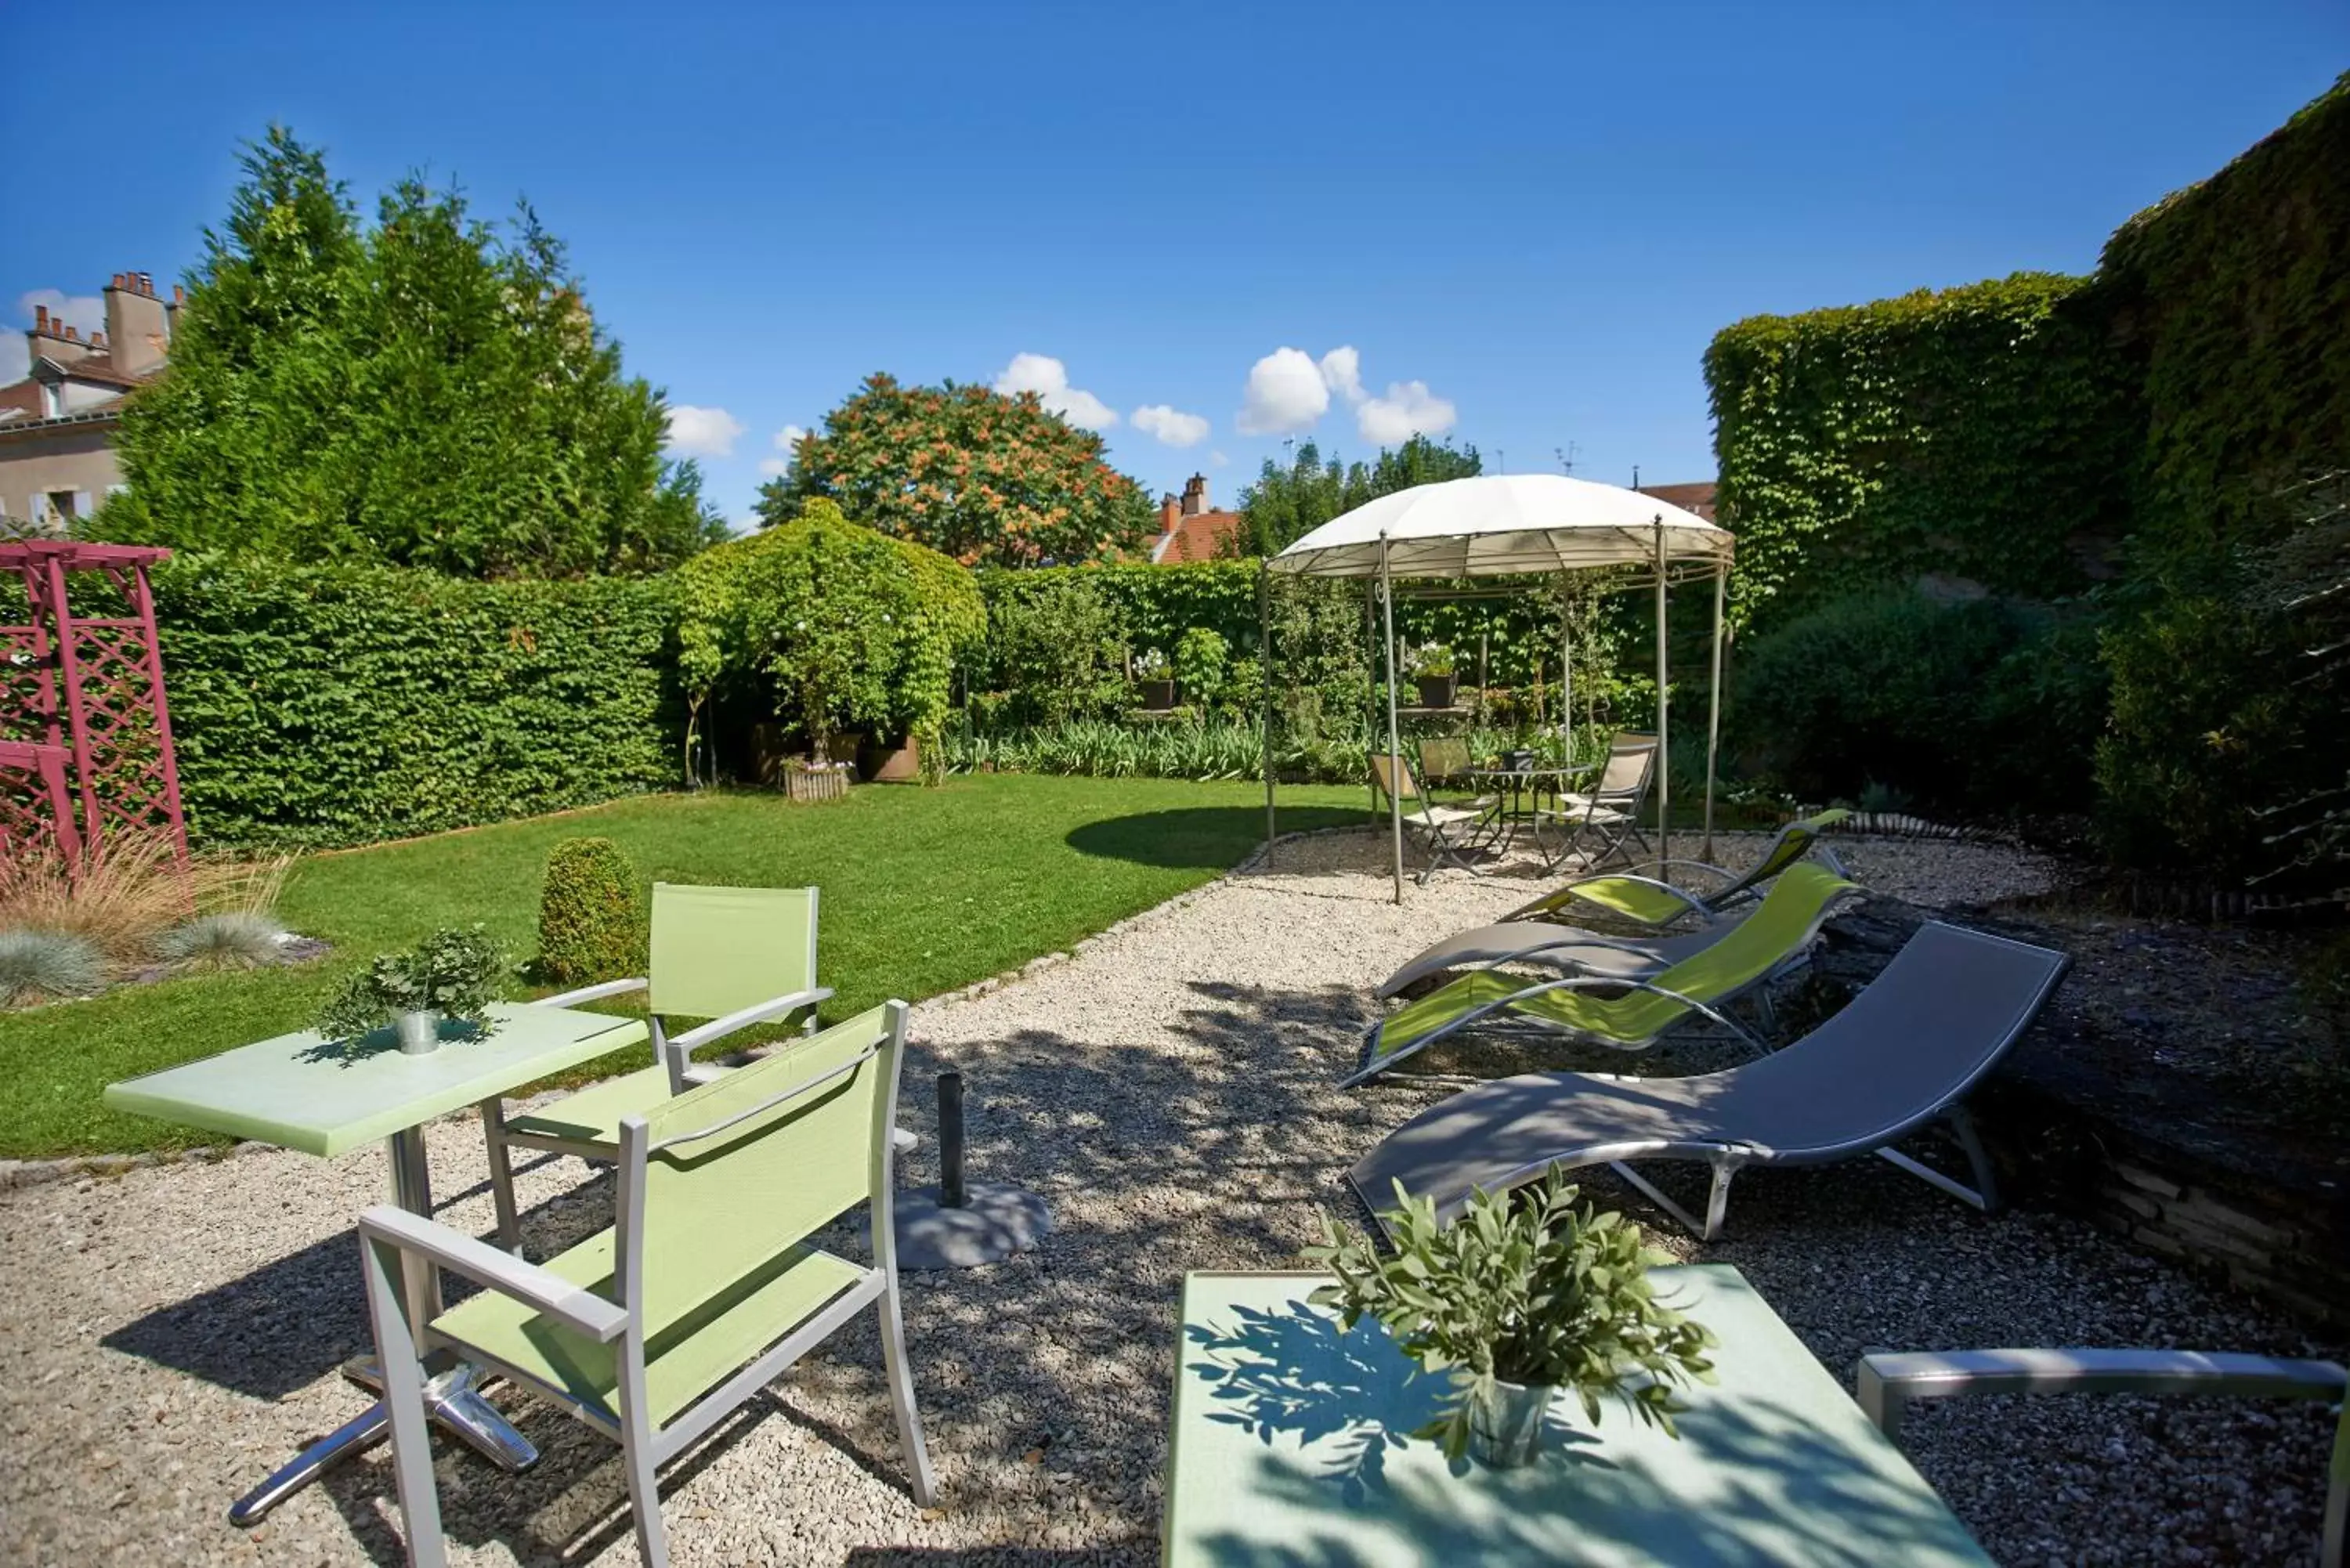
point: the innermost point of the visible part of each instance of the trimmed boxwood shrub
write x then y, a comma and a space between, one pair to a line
1980, 706
589, 925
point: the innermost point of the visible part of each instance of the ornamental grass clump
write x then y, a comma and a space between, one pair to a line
232, 938
1537, 1291
46, 966
589, 926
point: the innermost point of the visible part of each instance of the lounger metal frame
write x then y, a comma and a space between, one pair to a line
1726, 1159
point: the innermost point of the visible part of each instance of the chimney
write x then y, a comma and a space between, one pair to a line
136, 324
1170, 513
41, 319
179, 293
1195, 495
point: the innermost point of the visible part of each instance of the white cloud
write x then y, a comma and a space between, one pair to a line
702, 433
1171, 426
1342, 372
1286, 394
1049, 379
1409, 409
785, 440
86, 313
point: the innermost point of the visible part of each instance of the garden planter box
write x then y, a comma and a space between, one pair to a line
1158, 696
1436, 691
816, 783
891, 765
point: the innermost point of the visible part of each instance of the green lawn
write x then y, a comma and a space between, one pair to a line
924, 890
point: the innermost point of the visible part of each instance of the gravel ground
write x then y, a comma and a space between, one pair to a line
171, 1333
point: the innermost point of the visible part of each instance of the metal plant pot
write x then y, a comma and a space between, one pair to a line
1505, 1427
1436, 691
1158, 696
419, 1031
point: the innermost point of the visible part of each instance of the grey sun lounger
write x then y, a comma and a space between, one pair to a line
1908, 1049
1570, 950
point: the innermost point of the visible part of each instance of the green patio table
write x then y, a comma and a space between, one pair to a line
1291, 1445
304, 1093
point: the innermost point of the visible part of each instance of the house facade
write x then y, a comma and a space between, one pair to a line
57, 425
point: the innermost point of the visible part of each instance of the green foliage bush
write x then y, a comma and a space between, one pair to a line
590, 926
1203, 663
1977, 705
1986, 433
324, 705
1057, 650
843, 626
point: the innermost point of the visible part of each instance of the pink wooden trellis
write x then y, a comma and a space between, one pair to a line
85, 731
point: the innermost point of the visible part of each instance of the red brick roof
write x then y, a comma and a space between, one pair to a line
1696, 497
1202, 536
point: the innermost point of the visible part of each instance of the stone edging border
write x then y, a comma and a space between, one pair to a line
17, 1173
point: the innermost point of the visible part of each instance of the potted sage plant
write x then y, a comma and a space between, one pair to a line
1432, 672
448, 975
1150, 673
1518, 1301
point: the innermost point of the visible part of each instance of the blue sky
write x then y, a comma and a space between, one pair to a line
1524, 222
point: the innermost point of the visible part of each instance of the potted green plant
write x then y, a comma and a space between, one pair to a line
1150, 673
1432, 671
1518, 1301
448, 975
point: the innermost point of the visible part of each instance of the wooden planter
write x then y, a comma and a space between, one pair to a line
891, 765
1158, 696
816, 783
1436, 691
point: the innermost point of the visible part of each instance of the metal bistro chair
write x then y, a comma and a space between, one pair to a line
736, 956
698, 1296
1600, 822
1450, 831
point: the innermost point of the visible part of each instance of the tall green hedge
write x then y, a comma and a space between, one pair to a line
337, 705
2231, 307
1983, 432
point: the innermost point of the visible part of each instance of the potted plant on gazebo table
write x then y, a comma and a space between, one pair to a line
1432, 672
1518, 1301
448, 976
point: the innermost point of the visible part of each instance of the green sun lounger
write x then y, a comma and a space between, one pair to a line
1777, 936
1653, 901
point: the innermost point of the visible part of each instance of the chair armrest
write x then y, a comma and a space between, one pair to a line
1563, 896
568, 1304
592, 993
693, 1040
1883, 1383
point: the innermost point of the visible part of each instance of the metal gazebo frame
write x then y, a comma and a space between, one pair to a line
85, 728
1537, 534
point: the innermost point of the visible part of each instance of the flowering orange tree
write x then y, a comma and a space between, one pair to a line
987, 479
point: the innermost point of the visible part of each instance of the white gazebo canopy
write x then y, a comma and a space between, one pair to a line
1505, 524
1517, 524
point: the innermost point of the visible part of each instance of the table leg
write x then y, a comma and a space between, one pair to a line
452, 1398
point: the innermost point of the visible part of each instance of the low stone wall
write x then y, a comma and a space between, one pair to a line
2286, 1241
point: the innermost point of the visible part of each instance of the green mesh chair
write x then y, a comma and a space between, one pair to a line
698, 1296
1776, 937
735, 956
1652, 901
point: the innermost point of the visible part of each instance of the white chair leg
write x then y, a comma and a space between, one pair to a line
502, 1188
901, 1397
403, 1398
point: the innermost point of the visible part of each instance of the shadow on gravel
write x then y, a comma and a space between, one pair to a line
1203, 837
